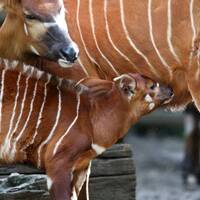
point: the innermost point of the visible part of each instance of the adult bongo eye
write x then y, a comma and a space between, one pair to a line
31, 17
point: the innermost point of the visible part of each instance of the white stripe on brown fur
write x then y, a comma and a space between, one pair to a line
110, 38
197, 75
39, 120
169, 31
6, 146
7, 151
82, 66
194, 32
131, 41
51, 134
87, 181
81, 35
16, 140
59, 142
153, 40
95, 38
1, 95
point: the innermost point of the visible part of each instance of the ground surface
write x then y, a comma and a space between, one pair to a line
158, 169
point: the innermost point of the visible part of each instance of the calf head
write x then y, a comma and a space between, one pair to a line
37, 27
142, 94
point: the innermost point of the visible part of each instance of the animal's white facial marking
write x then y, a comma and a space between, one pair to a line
64, 63
75, 47
148, 98
150, 101
60, 20
98, 149
36, 29
49, 183
33, 49
151, 106
25, 29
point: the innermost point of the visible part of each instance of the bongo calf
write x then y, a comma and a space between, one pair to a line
60, 125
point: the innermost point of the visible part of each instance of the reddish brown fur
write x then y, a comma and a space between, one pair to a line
136, 18
101, 102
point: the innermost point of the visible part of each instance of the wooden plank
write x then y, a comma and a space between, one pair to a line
110, 167
118, 151
21, 169
100, 167
114, 187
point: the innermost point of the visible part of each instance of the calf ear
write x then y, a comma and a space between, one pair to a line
127, 84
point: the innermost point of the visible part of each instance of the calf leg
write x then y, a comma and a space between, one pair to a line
59, 177
59, 185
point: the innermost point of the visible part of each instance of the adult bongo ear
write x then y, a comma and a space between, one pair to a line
127, 84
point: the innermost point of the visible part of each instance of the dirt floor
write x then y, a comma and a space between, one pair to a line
158, 163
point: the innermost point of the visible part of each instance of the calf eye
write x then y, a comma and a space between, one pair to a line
153, 86
128, 91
